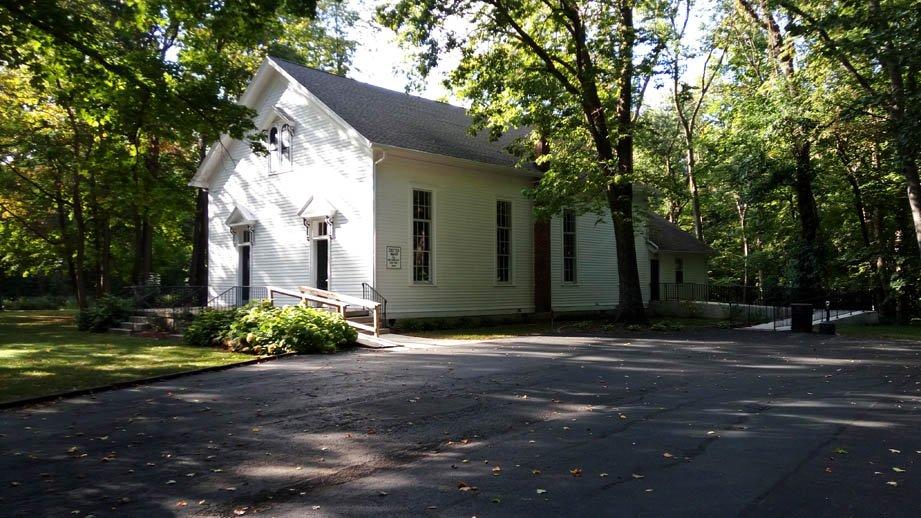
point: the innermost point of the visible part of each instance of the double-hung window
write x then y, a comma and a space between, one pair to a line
422, 236
569, 245
503, 241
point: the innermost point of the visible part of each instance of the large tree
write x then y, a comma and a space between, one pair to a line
569, 71
134, 93
876, 45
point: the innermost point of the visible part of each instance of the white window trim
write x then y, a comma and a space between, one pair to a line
432, 248
276, 157
315, 253
238, 244
511, 243
575, 252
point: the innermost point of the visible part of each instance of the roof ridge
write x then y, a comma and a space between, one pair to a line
295, 63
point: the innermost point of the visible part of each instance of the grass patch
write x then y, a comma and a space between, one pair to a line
893, 331
494, 332
41, 352
478, 333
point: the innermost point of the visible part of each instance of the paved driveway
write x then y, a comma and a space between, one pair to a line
719, 423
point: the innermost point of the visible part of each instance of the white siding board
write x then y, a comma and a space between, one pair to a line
464, 238
327, 162
597, 285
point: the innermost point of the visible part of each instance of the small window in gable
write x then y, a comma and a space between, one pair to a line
280, 146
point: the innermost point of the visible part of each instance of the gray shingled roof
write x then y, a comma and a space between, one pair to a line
402, 120
669, 238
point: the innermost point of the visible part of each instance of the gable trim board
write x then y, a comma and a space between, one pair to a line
368, 185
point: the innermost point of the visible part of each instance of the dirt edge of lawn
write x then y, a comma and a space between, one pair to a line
35, 400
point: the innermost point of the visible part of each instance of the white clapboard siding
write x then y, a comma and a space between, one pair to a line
597, 281
464, 237
328, 163
695, 267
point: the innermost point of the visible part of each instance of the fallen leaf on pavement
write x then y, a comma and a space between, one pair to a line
463, 486
576, 472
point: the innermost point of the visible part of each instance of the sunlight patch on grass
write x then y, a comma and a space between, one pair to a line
42, 352
893, 331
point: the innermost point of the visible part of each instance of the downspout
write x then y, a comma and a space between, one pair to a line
374, 216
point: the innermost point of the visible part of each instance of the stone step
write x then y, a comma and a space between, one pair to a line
134, 326
139, 319
120, 330
374, 342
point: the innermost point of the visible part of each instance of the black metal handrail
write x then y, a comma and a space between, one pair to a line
836, 299
369, 293
236, 296
166, 297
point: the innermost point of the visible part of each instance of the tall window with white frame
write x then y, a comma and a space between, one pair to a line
422, 236
503, 241
569, 245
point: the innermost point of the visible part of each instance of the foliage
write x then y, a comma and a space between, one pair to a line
208, 327
260, 328
38, 302
105, 312
561, 77
299, 329
106, 110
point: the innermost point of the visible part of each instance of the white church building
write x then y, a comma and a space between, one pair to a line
366, 188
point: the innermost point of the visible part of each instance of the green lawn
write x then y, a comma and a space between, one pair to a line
901, 332
478, 333
41, 352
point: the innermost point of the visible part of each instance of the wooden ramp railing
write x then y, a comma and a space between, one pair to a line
336, 300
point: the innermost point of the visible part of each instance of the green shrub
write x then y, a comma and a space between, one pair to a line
38, 302
261, 328
210, 327
292, 329
105, 312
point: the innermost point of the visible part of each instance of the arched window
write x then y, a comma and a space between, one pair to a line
285, 147
274, 162
281, 137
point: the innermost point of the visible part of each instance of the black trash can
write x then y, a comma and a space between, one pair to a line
801, 318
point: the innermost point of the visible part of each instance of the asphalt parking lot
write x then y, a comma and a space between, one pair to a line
716, 423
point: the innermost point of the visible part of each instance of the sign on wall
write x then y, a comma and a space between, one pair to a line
394, 258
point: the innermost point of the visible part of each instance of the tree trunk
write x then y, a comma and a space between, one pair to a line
741, 209
620, 201
620, 195
692, 185
198, 272
79, 240
143, 246
809, 275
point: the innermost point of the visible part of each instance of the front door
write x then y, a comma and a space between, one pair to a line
244, 273
654, 279
322, 264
